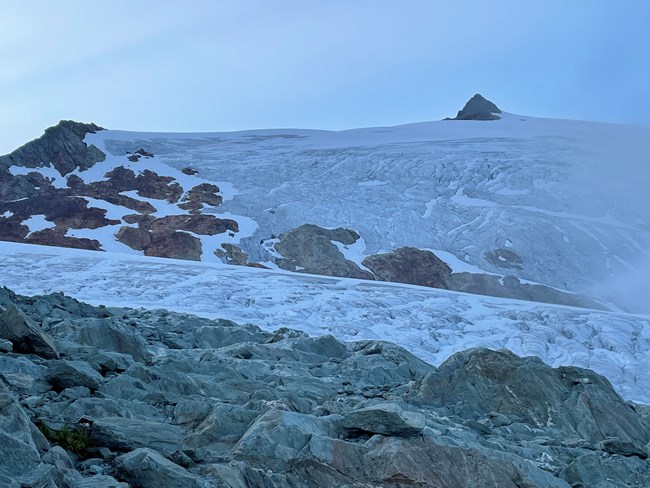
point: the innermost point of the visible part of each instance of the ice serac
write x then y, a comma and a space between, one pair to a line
478, 108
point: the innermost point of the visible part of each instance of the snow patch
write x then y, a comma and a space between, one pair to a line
113, 212
354, 252
36, 223
49, 172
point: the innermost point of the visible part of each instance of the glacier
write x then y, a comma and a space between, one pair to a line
431, 323
569, 198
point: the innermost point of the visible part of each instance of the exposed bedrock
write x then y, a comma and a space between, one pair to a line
309, 249
478, 108
173, 236
510, 287
409, 265
65, 208
102, 397
61, 145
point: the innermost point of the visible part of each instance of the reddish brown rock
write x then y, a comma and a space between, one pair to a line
64, 211
12, 230
177, 245
199, 224
148, 184
138, 219
136, 238
55, 236
409, 265
200, 195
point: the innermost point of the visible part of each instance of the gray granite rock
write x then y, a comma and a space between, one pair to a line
127, 434
58, 457
190, 401
570, 402
6, 345
63, 374
114, 336
386, 418
597, 471
145, 468
25, 334
309, 249
99, 481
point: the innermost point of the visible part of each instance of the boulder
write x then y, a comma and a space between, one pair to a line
278, 436
20, 457
387, 418
63, 374
125, 434
114, 336
396, 462
594, 470
99, 481
58, 457
225, 423
25, 334
6, 345
573, 403
145, 468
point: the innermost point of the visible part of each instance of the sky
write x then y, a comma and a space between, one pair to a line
221, 65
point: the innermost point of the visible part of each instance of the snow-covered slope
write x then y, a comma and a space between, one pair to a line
431, 323
568, 198
556, 202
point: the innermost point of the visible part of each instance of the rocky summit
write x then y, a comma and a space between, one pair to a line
478, 108
116, 397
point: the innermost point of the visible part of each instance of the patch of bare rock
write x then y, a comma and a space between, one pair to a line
311, 249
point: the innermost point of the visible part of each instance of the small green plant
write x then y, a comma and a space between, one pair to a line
76, 439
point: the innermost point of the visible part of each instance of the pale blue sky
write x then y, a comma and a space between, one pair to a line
227, 65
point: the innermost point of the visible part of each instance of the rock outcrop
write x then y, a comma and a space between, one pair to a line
510, 287
159, 399
310, 249
478, 108
61, 145
409, 265
73, 203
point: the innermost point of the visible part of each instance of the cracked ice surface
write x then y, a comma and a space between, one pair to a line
433, 324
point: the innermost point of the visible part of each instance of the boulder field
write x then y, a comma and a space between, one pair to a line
115, 397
